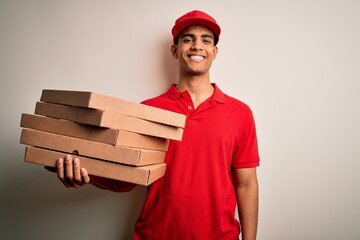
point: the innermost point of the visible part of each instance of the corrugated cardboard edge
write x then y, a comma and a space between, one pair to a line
115, 120
108, 103
76, 114
137, 140
69, 128
67, 97
108, 119
139, 175
156, 173
124, 155
93, 133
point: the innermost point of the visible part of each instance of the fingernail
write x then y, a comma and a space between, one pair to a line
67, 157
76, 161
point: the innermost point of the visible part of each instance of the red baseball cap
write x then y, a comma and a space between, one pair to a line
196, 17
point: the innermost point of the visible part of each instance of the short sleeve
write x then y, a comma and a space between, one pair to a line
246, 154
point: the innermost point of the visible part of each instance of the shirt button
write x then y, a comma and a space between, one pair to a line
189, 107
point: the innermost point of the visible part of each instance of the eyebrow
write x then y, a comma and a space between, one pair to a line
193, 36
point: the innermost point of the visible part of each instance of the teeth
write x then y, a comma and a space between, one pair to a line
196, 58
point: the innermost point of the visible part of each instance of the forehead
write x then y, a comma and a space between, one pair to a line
197, 30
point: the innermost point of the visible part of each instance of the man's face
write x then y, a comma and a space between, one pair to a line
195, 50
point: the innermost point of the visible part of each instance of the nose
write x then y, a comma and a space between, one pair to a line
197, 45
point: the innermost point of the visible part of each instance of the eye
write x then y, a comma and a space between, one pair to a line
187, 40
207, 40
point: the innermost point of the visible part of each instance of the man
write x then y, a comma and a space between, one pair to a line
213, 168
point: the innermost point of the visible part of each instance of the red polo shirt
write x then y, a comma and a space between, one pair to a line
195, 200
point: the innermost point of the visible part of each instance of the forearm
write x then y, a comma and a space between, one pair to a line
111, 185
248, 210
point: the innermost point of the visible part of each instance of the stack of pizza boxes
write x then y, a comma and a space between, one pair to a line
113, 138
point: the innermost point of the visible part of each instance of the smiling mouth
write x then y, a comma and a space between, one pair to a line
196, 58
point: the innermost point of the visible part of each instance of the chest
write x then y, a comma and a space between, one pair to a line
214, 125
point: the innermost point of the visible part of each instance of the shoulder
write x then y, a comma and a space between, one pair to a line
230, 103
164, 102
154, 100
237, 105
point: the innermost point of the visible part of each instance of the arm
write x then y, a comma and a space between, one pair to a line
72, 175
246, 189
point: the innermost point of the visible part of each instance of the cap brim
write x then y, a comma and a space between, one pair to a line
188, 22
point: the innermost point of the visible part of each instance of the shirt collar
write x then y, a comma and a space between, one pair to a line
218, 95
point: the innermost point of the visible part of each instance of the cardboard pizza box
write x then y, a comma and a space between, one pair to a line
112, 104
109, 120
124, 155
139, 175
98, 134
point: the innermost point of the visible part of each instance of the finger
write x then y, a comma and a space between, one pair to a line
77, 174
69, 170
60, 171
85, 176
60, 168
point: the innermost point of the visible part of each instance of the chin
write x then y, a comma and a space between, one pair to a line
196, 73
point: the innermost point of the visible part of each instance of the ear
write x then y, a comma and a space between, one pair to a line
174, 51
215, 51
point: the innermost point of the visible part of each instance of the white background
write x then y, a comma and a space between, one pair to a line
296, 63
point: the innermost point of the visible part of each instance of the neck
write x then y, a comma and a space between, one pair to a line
198, 86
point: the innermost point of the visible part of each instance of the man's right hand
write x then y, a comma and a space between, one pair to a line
70, 173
